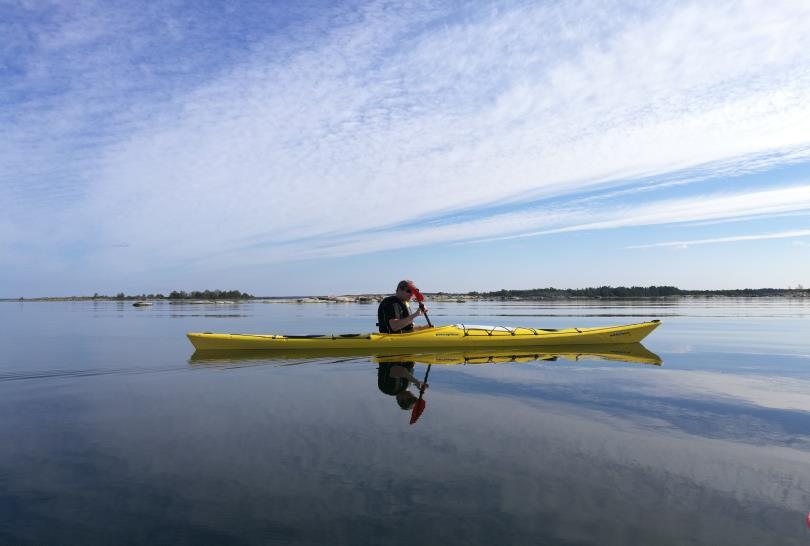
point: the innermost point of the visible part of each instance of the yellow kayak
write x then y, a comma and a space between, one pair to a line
441, 337
619, 352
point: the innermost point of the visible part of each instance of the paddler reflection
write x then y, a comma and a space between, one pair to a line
395, 378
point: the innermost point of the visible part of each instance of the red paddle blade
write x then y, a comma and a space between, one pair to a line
416, 293
418, 409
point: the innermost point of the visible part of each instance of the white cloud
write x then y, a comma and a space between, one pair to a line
396, 114
733, 239
692, 209
574, 216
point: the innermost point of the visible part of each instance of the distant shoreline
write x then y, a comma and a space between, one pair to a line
442, 297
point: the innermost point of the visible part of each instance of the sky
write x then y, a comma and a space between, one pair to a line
288, 148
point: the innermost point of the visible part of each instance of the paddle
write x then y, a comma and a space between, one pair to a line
420, 298
419, 407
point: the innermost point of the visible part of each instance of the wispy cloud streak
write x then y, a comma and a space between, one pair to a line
734, 239
693, 209
554, 219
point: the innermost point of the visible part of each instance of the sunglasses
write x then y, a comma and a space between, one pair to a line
407, 290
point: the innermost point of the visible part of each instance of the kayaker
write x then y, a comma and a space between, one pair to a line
394, 378
394, 315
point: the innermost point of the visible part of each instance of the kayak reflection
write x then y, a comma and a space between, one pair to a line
396, 373
631, 352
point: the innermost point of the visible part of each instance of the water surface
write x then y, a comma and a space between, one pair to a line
114, 433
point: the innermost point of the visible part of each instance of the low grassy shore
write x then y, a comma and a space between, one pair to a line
605, 293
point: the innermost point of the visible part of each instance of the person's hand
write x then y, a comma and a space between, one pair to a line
422, 310
421, 386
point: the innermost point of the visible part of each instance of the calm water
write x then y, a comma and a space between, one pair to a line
113, 434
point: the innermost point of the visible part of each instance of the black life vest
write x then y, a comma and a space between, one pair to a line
392, 308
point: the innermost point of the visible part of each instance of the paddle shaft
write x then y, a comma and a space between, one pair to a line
422, 389
427, 318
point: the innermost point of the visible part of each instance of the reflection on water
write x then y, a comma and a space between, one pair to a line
630, 352
395, 369
112, 434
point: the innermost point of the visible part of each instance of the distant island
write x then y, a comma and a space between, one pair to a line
601, 292
173, 295
625, 292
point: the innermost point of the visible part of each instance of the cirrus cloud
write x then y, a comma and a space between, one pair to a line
302, 142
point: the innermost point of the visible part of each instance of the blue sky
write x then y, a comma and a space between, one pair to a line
314, 147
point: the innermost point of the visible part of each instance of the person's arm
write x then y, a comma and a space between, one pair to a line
404, 373
398, 324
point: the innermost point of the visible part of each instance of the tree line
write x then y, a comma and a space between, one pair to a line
631, 292
183, 295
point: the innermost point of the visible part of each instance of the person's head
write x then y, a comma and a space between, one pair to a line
404, 291
406, 399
